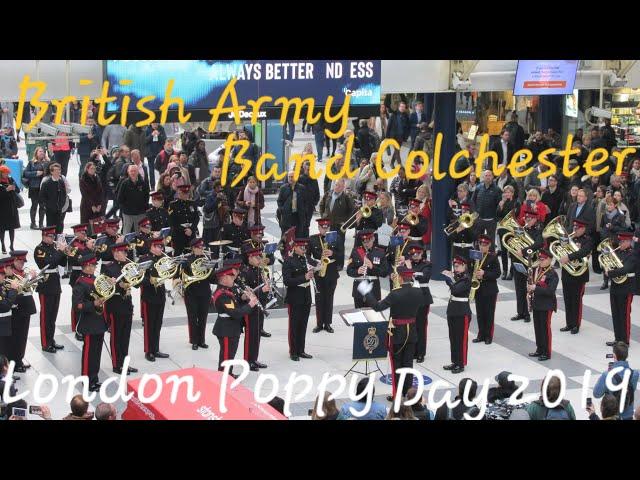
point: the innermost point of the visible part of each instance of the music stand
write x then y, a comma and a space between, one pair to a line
369, 330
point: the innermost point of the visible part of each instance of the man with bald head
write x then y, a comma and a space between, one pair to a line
133, 198
486, 198
106, 411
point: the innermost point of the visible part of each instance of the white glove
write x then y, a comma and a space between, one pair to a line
365, 287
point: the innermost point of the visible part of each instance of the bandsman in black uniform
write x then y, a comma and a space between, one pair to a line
111, 227
48, 254
367, 263
486, 296
91, 323
319, 249
8, 297
462, 238
81, 245
418, 230
119, 309
573, 287
372, 222
257, 241
21, 318
421, 268
197, 297
401, 337
153, 297
157, 213
236, 232
533, 229
297, 278
143, 239
231, 312
621, 294
183, 220
397, 255
251, 277
542, 289
458, 313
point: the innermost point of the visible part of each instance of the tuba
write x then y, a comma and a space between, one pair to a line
516, 238
564, 245
466, 220
609, 260
201, 268
366, 213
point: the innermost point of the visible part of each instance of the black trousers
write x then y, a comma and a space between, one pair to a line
401, 355
252, 336
324, 302
197, 313
621, 316
486, 313
520, 282
91, 353
49, 304
19, 336
35, 203
572, 292
228, 349
120, 335
298, 320
459, 338
152, 314
542, 329
359, 302
56, 218
422, 323
62, 157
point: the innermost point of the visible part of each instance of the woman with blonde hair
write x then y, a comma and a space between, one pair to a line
533, 202
424, 194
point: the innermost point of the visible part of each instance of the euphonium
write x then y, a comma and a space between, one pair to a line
559, 248
609, 260
201, 268
366, 213
513, 241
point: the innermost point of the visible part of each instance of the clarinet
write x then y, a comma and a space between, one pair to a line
247, 289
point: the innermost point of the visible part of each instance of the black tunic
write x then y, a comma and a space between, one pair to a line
90, 321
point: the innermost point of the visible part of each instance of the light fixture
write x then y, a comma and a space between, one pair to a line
79, 129
63, 128
48, 129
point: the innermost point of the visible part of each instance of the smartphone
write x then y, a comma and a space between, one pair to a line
35, 410
310, 412
609, 355
589, 402
19, 412
610, 365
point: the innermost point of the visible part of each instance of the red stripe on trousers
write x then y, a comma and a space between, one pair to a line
73, 320
85, 359
291, 352
628, 317
188, 322
114, 357
394, 387
145, 328
246, 337
43, 326
579, 319
226, 348
493, 323
549, 313
465, 340
426, 324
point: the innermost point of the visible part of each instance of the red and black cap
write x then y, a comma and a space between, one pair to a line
19, 255
253, 252
465, 206
369, 195
88, 259
81, 227
577, 223
156, 241
256, 228
544, 253
197, 243
112, 222
48, 230
416, 247
324, 222
625, 235
460, 260
184, 188
402, 225
156, 194
366, 234
301, 242
239, 211
405, 273
145, 221
484, 239
232, 263
119, 247
225, 271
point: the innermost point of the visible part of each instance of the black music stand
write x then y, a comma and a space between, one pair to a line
369, 331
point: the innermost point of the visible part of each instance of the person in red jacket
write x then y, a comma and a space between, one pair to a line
62, 151
533, 202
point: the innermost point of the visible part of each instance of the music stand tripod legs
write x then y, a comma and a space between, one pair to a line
367, 371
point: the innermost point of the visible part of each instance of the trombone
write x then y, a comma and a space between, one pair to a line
366, 213
465, 220
410, 218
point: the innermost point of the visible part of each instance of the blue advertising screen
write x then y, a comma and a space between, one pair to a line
201, 82
545, 77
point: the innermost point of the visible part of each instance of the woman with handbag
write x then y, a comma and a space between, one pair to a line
32, 175
10, 201
92, 194
251, 199
54, 195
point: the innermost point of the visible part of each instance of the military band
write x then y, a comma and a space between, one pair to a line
158, 215
236, 232
421, 268
367, 263
24, 307
458, 313
183, 220
486, 271
541, 289
253, 278
330, 255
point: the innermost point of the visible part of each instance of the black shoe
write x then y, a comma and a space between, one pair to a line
203, 345
504, 276
33, 226
574, 330
16, 378
253, 367
317, 329
450, 367
509, 277
611, 344
516, 318
117, 370
477, 340
527, 319
57, 346
457, 369
565, 329
79, 337
132, 370
535, 354
542, 358
305, 355
488, 341
95, 387
390, 398
295, 358
264, 334
420, 359
50, 349
20, 369
328, 329
150, 357
260, 364
161, 355
26, 365
194, 346
604, 286
66, 275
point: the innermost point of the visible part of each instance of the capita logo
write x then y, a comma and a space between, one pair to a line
360, 92
248, 115
207, 413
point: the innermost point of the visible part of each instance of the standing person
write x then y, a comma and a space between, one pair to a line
165, 186
9, 218
48, 254
553, 196
581, 210
133, 198
312, 190
163, 158
113, 136
92, 194
21, 315
458, 313
83, 245
388, 212
88, 143
398, 129
508, 204
197, 297
422, 275
542, 290
138, 161
337, 206
516, 132
404, 303
621, 294
487, 274
620, 355
503, 148
319, 249
7, 113
214, 212
367, 262
318, 135
251, 199
91, 323
292, 206
373, 221
119, 309
297, 277
183, 220
61, 153
157, 213
135, 139
35, 171
573, 286
155, 137
200, 162
486, 198
54, 195
153, 297
419, 229
236, 231
416, 118
8, 296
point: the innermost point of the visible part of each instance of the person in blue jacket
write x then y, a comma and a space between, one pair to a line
620, 353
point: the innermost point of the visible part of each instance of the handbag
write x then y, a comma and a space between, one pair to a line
19, 200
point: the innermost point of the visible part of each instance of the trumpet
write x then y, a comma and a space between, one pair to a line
465, 220
366, 213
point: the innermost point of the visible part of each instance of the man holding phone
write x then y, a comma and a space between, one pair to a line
620, 354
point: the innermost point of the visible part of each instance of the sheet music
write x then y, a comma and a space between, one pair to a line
355, 317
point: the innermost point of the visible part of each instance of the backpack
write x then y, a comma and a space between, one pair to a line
557, 413
629, 398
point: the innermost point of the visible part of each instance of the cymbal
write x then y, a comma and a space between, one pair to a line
220, 243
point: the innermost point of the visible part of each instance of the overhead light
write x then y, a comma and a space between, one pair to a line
63, 128
79, 129
48, 129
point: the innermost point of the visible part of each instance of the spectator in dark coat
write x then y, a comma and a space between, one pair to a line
292, 208
415, 119
35, 171
135, 139
92, 202
54, 195
87, 144
399, 129
133, 198
516, 132
553, 196
9, 218
199, 161
164, 156
313, 192
155, 137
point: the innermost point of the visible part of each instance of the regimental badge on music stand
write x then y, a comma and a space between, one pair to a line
371, 341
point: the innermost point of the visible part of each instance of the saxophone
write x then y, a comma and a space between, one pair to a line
324, 260
475, 281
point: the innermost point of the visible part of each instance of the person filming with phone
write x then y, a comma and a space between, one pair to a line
7, 408
620, 354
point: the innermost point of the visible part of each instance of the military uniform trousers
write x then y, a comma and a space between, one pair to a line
91, 352
298, 320
49, 304
422, 324
120, 327
19, 336
324, 302
621, 315
486, 313
252, 335
520, 283
542, 328
459, 338
572, 293
152, 314
402, 349
228, 349
197, 313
